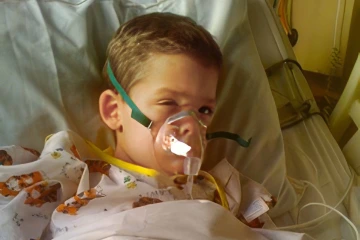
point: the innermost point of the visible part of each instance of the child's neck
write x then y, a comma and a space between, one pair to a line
120, 154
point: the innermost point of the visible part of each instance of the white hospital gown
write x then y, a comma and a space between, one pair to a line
68, 187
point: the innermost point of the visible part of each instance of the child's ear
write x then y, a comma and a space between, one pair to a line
109, 106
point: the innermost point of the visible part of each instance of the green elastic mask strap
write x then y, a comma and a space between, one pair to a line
135, 111
231, 136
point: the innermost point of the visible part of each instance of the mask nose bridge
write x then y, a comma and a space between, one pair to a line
187, 117
191, 110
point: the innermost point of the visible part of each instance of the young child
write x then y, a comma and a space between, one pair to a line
165, 64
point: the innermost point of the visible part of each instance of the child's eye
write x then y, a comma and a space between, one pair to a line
206, 110
168, 103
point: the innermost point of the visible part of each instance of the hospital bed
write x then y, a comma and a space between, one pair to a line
52, 53
311, 152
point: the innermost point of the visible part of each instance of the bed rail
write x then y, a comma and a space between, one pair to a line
294, 101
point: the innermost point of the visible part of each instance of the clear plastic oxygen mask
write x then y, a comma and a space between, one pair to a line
182, 138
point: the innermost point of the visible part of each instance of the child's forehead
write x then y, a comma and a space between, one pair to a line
179, 75
178, 65
156, 58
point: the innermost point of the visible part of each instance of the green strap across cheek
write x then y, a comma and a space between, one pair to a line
135, 111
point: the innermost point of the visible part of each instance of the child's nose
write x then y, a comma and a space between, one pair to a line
188, 126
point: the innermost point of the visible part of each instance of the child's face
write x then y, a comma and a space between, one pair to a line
172, 83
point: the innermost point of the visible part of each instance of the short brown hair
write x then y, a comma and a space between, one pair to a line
136, 40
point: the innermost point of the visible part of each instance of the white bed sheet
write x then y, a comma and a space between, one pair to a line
312, 154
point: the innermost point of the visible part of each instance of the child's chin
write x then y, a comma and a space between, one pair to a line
175, 167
